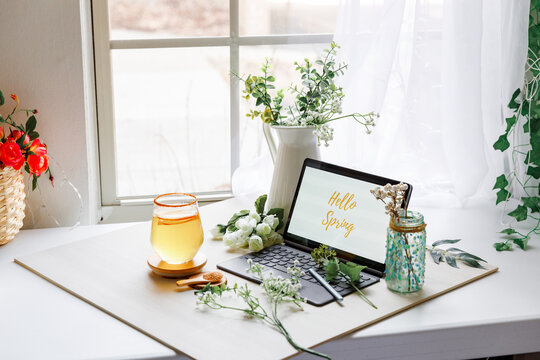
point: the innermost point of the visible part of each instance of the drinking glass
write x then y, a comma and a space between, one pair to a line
177, 233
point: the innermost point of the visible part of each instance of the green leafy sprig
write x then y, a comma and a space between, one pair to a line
318, 100
325, 257
278, 290
452, 254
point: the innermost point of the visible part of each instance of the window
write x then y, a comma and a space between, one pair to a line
170, 116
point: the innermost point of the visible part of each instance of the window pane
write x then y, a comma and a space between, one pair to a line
266, 17
282, 57
142, 19
172, 127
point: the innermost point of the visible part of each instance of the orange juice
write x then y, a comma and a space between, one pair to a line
177, 234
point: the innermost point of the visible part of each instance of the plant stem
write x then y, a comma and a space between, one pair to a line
361, 293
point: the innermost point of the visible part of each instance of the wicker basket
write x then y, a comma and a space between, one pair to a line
11, 203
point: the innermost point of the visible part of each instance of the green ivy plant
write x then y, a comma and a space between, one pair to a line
525, 106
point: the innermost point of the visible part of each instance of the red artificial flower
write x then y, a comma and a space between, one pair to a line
38, 164
15, 97
38, 148
11, 155
16, 135
35, 111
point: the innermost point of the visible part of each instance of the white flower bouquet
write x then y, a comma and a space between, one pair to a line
251, 229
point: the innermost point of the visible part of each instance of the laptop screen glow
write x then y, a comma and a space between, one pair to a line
340, 212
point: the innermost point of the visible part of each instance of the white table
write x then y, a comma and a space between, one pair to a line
494, 316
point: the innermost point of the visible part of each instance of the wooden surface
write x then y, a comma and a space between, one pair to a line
150, 303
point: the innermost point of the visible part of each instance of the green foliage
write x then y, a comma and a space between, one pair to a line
279, 213
2, 99
335, 269
259, 204
317, 99
525, 105
452, 254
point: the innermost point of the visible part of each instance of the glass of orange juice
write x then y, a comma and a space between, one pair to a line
177, 232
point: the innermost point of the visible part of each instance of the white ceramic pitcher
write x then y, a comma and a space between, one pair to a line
296, 143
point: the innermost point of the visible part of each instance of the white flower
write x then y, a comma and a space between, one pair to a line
216, 234
274, 238
255, 216
255, 243
263, 229
271, 220
236, 239
246, 224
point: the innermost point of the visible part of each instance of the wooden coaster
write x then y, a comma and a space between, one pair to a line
161, 268
200, 286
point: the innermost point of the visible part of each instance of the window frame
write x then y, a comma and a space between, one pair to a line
103, 46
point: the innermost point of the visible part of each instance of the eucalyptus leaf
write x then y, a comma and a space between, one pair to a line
450, 260
441, 242
472, 263
436, 255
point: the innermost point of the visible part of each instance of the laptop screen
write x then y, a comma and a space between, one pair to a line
334, 206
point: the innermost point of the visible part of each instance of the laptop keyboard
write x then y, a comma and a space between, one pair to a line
281, 257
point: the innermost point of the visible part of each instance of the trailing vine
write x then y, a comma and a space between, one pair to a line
524, 123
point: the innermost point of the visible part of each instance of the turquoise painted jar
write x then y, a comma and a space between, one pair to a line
406, 253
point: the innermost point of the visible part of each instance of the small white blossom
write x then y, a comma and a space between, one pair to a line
216, 234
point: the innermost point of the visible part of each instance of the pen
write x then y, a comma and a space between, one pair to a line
326, 285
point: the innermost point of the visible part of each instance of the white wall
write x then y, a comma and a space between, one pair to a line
41, 60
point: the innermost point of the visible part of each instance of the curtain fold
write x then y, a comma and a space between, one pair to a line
441, 74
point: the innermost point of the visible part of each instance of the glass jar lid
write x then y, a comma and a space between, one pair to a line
414, 221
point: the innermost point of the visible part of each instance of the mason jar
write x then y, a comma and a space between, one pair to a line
406, 253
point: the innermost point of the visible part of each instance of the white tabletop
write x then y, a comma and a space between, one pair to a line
494, 316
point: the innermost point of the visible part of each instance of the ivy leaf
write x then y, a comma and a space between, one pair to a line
440, 242
259, 204
508, 231
534, 171
526, 126
511, 121
451, 260
279, 213
519, 213
2, 99
502, 195
502, 143
502, 246
331, 270
436, 255
513, 104
31, 124
501, 182
532, 203
522, 243
352, 270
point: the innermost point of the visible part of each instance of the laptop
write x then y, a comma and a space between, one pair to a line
332, 205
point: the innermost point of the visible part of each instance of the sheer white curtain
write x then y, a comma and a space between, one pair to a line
440, 73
